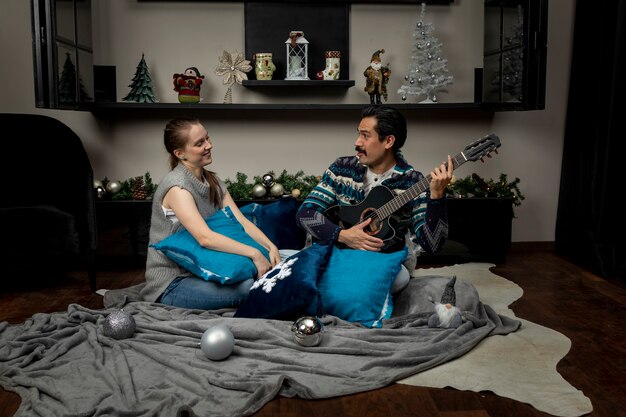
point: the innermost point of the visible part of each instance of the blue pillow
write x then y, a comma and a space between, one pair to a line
278, 221
355, 286
212, 265
289, 290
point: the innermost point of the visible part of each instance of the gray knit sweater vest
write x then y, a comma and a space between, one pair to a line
160, 270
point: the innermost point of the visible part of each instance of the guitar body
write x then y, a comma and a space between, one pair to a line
348, 216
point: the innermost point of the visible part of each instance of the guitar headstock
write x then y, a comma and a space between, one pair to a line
481, 148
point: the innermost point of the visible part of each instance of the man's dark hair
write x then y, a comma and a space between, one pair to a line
389, 121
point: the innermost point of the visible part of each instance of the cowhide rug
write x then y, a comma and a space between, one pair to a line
520, 365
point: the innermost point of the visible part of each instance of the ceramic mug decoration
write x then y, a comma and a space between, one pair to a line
264, 67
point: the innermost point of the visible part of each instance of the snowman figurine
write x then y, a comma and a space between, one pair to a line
187, 85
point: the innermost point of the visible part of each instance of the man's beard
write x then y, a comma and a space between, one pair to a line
446, 314
376, 66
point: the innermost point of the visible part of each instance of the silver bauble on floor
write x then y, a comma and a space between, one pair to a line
119, 325
217, 342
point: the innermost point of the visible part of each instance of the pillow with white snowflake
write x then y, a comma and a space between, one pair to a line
289, 290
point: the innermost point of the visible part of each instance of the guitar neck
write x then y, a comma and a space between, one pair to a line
416, 189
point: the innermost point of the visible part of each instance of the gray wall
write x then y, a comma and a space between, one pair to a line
176, 35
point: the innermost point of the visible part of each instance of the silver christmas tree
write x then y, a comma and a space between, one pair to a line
428, 71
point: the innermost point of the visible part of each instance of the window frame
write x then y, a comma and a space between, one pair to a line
47, 44
534, 51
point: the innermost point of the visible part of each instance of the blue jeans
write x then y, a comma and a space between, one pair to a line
194, 292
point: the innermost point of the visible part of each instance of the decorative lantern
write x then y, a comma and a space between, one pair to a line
297, 56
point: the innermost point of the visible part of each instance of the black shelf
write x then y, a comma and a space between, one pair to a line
298, 83
121, 108
439, 2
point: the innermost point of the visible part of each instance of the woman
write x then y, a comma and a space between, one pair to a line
185, 197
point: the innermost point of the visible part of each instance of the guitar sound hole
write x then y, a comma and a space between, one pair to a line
375, 225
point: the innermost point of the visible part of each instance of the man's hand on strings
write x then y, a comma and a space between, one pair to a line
357, 238
440, 178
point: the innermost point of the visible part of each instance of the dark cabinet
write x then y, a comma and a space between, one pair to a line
515, 51
480, 231
270, 24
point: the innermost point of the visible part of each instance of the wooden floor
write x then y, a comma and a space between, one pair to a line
557, 294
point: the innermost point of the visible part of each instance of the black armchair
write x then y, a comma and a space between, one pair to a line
48, 203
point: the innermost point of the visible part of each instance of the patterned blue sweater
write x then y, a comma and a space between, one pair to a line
342, 184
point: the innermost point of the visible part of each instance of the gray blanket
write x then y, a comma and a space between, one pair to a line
62, 364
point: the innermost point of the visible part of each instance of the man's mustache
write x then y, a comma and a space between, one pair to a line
361, 150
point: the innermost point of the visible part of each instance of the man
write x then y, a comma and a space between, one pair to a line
381, 134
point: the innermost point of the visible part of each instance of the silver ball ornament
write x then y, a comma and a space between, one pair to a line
403, 98
119, 325
259, 191
277, 190
98, 183
308, 331
217, 342
113, 187
268, 180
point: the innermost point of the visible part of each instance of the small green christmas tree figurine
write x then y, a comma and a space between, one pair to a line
67, 83
141, 87
428, 71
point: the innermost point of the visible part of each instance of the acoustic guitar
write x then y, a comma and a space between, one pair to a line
381, 202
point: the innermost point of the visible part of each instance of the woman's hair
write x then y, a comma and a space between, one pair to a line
389, 121
175, 136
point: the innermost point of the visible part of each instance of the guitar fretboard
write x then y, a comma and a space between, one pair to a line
411, 193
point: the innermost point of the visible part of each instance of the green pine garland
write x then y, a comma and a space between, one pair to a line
475, 186
240, 189
472, 186
468, 187
126, 191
